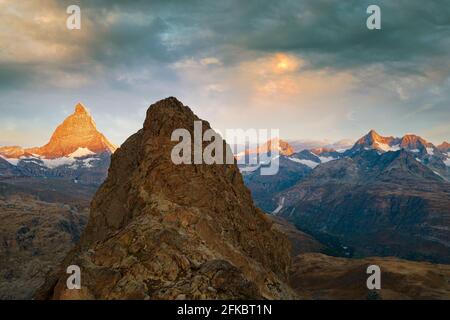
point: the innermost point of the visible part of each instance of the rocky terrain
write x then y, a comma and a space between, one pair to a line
163, 231
317, 276
385, 204
384, 196
301, 242
35, 236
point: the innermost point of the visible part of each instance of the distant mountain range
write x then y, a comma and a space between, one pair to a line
309, 144
383, 196
156, 230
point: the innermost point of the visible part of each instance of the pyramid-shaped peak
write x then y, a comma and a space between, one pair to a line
77, 131
80, 109
373, 134
371, 137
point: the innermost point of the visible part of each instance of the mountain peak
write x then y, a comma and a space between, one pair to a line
412, 141
275, 144
77, 131
80, 109
373, 140
372, 137
167, 115
444, 146
283, 146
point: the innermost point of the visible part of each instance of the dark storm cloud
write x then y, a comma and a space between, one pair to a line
415, 35
329, 33
334, 33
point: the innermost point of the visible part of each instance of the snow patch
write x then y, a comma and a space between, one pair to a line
81, 152
430, 151
326, 159
438, 174
385, 147
53, 163
308, 163
88, 162
447, 162
12, 161
280, 206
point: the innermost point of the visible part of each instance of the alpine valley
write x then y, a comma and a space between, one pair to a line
141, 227
384, 196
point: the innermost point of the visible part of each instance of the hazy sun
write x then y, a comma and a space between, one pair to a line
282, 65
285, 63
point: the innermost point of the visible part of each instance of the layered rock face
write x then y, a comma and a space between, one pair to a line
163, 231
78, 130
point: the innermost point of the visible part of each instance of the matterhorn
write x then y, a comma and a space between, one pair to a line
76, 151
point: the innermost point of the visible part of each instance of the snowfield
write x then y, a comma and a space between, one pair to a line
308, 163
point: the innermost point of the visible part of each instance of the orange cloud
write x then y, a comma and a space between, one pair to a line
280, 78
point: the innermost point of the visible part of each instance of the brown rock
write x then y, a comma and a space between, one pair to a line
163, 231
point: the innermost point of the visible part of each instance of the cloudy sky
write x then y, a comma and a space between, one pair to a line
308, 67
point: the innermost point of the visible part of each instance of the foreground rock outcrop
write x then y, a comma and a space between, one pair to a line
163, 231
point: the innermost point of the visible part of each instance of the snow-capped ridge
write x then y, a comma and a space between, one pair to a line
81, 152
